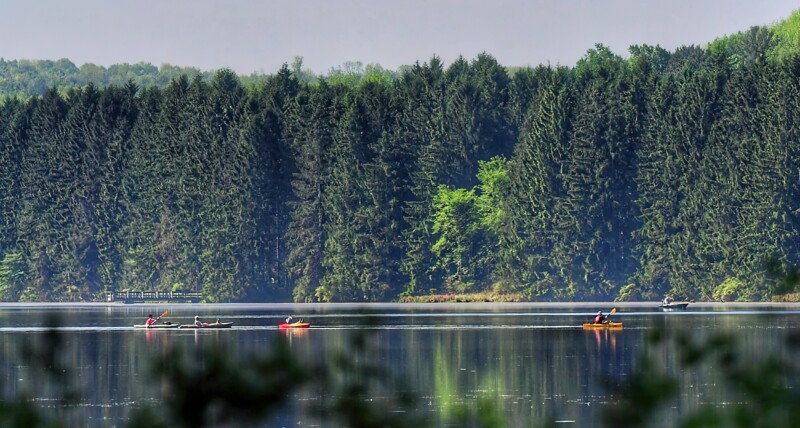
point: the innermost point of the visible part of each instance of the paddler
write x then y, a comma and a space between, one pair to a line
600, 318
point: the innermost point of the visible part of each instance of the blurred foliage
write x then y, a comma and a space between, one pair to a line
209, 388
763, 392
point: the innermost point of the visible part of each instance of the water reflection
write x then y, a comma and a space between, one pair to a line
607, 337
295, 337
532, 363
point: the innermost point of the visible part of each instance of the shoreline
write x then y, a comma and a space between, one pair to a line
368, 305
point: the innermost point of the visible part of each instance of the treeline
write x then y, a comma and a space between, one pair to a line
29, 78
26, 78
629, 178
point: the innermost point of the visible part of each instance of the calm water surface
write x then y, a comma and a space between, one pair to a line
536, 361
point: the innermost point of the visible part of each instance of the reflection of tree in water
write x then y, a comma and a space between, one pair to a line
483, 403
208, 387
760, 390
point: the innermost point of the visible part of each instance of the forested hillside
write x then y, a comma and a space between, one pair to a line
619, 178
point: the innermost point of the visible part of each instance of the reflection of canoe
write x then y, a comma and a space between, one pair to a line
674, 307
298, 324
156, 326
211, 325
296, 332
607, 325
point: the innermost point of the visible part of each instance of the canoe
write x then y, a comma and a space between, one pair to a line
211, 325
607, 325
673, 307
156, 326
297, 324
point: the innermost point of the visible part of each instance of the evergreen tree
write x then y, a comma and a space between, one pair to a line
144, 187
534, 184
226, 208
14, 128
359, 204
12, 276
116, 115
46, 190
311, 129
270, 175
745, 225
421, 128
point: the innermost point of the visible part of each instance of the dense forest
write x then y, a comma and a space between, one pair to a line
619, 178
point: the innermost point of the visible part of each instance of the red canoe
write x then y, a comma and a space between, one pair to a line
298, 324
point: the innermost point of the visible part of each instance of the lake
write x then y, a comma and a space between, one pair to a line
533, 361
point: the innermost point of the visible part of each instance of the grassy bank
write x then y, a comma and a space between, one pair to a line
786, 298
464, 298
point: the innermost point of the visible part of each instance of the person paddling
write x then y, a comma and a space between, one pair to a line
151, 321
600, 318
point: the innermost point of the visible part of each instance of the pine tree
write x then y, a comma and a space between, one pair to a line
311, 129
45, 192
271, 170
421, 136
534, 184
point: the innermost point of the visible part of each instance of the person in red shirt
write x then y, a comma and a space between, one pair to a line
150, 320
600, 318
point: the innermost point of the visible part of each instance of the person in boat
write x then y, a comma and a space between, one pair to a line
666, 300
150, 320
289, 319
600, 318
199, 323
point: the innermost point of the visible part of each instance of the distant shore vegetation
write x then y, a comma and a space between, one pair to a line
24, 78
620, 178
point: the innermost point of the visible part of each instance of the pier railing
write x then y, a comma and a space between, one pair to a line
154, 296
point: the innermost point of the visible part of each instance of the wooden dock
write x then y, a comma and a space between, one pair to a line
154, 296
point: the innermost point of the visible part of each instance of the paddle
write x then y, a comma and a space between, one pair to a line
611, 313
162, 315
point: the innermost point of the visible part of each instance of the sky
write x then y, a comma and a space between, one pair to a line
258, 36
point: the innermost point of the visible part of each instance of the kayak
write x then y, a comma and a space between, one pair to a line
297, 324
212, 325
674, 307
607, 325
156, 326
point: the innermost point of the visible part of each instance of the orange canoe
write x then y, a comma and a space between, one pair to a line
603, 326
